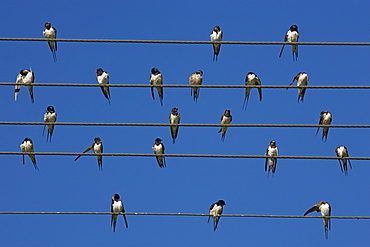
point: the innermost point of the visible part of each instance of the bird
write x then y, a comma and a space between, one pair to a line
49, 117
158, 148
216, 35
342, 152
103, 79
215, 211
156, 78
251, 79
271, 151
325, 119
196, 78
51, 33
292, 36
27, 147
226, 118
302, 80
25, 76
97, 148
174, 119
325, 209
116, 208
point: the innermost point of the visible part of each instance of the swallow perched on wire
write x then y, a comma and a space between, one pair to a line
51, 33
302, 80
25, 76
325, 209
325, 119
250, 80
97, 148
49, 117
158, 148
103, 79
196, 78
342, 152
215, 211
226, 118
292, 36
174, 119
27, 147
116, 208
216, 35
271, 151
156, 78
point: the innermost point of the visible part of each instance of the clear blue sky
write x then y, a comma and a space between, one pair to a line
187, 185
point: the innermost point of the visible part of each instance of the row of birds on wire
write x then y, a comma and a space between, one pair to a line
291, 35
27, 77
215, 212
50, 118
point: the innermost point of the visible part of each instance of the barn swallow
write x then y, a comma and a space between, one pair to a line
196, 78
156, 78
216, 35
117, 207
324, 208
103, 79
51, 33
25, 76
158, 148
226, 118
174, 119
302, 80
325, 119
97, 147
251, 79
292, 36
49, 117
341, 153
215, 211
271, 151
27, 146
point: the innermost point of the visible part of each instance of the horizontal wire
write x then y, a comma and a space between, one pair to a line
187, 155
187, 42
192, 214
192, 125
179, 86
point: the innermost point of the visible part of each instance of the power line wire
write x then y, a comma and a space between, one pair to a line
186, 155
191, 125
192, 214
180, 86
188, 42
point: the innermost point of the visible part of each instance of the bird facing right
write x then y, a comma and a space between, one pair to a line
342, 152
291, 36
325, 210
325, 119
215, 211
302, 80
97, 148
